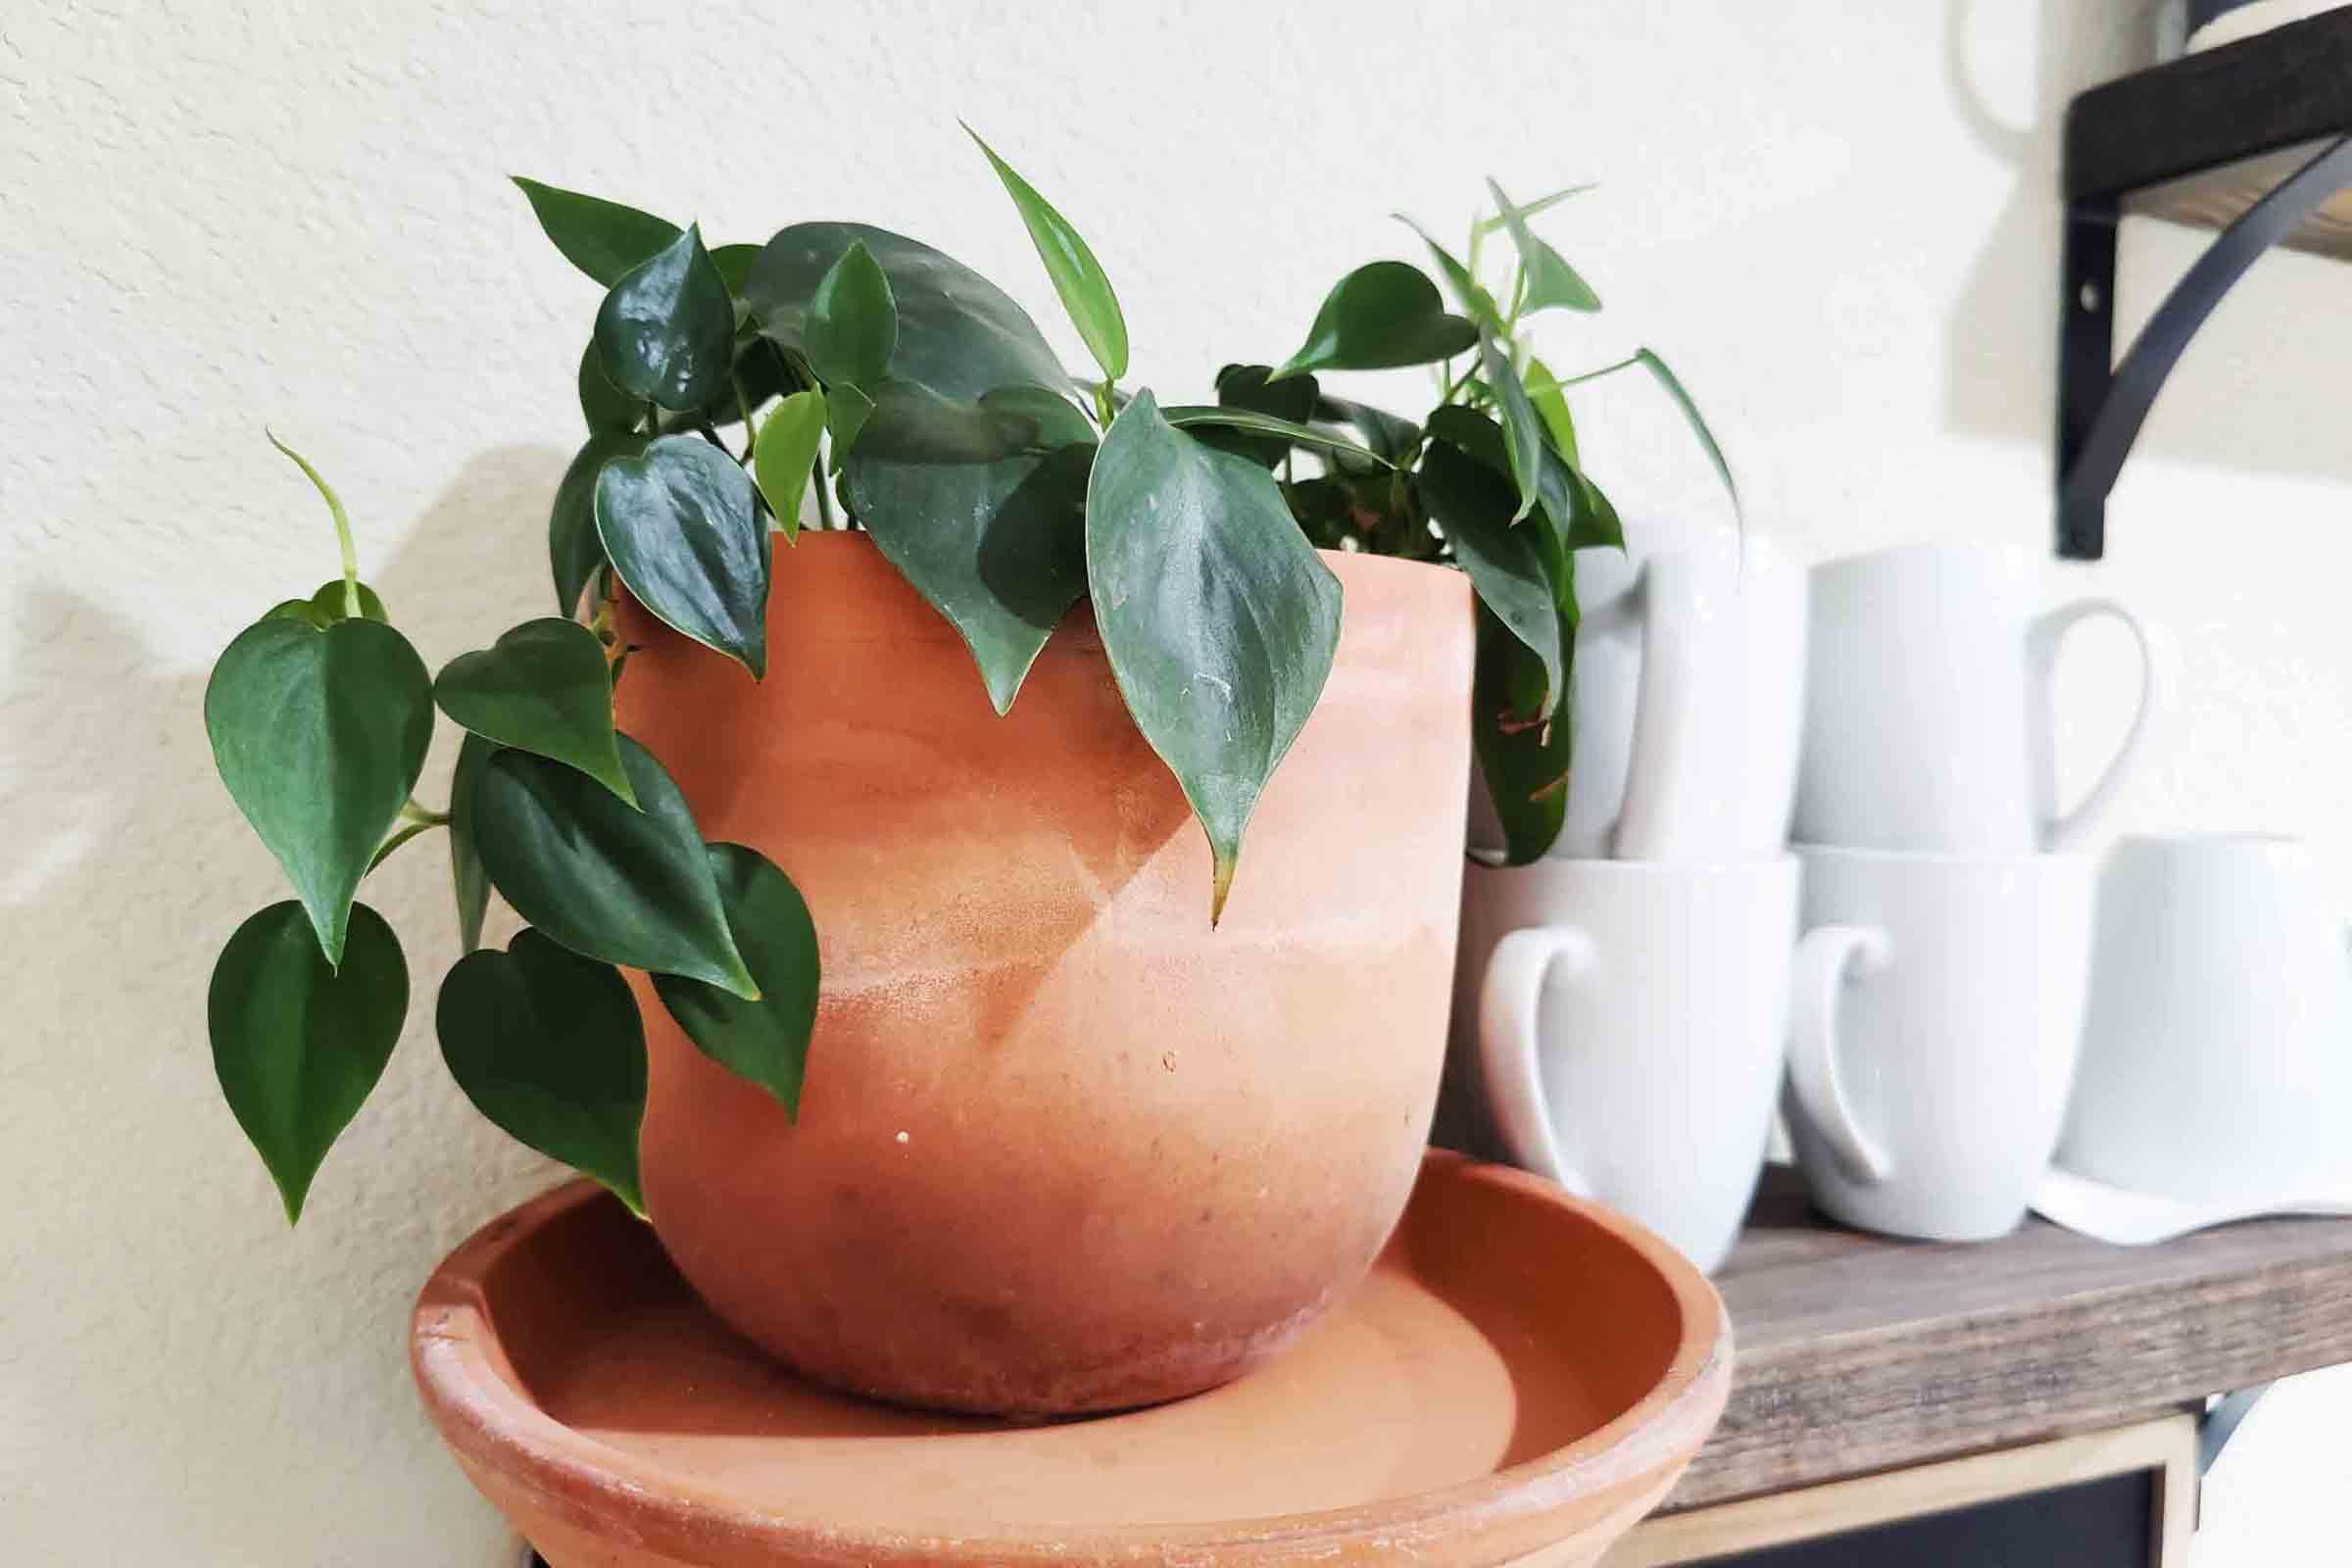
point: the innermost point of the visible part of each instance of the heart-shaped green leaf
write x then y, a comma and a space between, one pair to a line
765, 1040
1466, 289
1549, 279
297, 1044
1699, 425
629, 887
667, 330
785, 455
1524, 760
574, 552
548, 1046
1079, 279
959, 334
603, 240
1382, 315
320, 736
981, 508
846, 414
605, 406
853, 322
1522, 432
1472, 503
468, 882
544, 687
679, 524
1219, 619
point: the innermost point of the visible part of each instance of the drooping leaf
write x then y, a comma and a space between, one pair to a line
603, 240
980, 506
1549, 279
544, 687
853, 322
1382, 315
1524, 760
605, 406
574, 552
629, 887
298, 1043
549, 1048
1467, 290
1195, 416
1597, 522
665, 334
785, 454
765, 1040
1550, 401
1699, 425
960, 335
1393, 437
1219, 620
1473, 505
1077, 276
469, 881
1559, 512
320, 736
1522, 432
679, 524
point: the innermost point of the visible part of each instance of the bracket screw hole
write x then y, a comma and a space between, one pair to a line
2089, 297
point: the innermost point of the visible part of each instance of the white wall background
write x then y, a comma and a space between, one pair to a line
1836, 217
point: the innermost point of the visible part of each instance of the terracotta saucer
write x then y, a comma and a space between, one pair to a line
1519, 1374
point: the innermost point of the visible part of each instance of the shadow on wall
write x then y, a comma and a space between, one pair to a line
181, 1325
2241, 397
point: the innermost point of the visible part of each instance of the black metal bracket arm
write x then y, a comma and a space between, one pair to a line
2100, 412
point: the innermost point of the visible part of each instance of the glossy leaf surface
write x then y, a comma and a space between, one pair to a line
679, 524
1382, 315
298, 1045
1085, 290
665, 334
544, 687
574, 552
765, 1040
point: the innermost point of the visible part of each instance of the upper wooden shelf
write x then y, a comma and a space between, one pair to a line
1858, 1353
2202, 138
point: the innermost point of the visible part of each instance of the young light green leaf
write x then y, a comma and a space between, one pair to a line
543, 687
1549, 279
1536, 208
679, 524
297, 1044
1550, 402
1219, 620
1522, 432
1381, 315
1196, 416
320, 736
1473, 296
1525, 762
846, 414
766, 1041
1699, 425
602, 238
629, 887
469, 881
574, 552
853, 322
665, 334
549, 1048
1077, 276
784, 453
1472, 503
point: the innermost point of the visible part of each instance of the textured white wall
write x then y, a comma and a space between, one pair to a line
1836, 215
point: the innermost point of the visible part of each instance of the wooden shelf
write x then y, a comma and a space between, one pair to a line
1859, 1353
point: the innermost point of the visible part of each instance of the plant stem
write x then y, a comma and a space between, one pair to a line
751, 436
816, 482
1105, 412
412, 811
334, 507
1626, 364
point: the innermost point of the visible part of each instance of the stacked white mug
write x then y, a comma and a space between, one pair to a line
1622, 999
1938, 998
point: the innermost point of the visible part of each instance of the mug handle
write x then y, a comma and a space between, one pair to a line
2062, 830
1824, 958
1508, 1009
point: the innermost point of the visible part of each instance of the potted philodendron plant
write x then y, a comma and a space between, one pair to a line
1092, 1122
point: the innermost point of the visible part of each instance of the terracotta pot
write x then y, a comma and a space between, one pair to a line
1062, 1147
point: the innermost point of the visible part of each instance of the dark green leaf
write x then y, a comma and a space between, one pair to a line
734, 263
629, 887
1549, 279
1384, 432
602, 238
853, 322
680, 526
980, 506
1077, 276
1219, 620
330, 604
297, 1044
605, 406
666, 331
1597, 522
785, 454
1558, 508
548, 1046
543, 687
1523, 760
1473, 505
468, 882
1192, 415
846, 414
959, 334
320, 736
1699, 425
1466, 289
1522, 432
1550, 401
1246, 387
1380, 316
574, 552
765, 1040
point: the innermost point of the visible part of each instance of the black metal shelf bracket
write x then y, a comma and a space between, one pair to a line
2100, 410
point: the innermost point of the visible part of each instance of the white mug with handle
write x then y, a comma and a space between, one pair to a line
1629, 1025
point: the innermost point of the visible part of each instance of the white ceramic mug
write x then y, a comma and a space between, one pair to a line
2216, 1060
1629, 1022
1934, 1015
1927, 721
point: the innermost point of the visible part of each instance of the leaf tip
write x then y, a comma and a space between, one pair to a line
1221, 885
